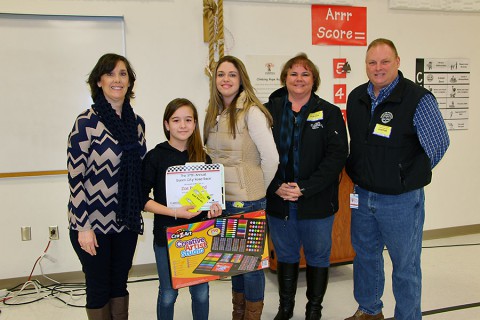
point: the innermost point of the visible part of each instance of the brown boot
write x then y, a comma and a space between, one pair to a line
360, 315
238, 301
253, 310
119, 308
102, 313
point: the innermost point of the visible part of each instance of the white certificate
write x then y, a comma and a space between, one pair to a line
179, 180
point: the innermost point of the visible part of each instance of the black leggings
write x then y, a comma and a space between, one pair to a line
106, 273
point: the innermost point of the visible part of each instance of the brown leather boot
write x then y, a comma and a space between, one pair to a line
253, 310
102, 313
119, 308
238, 301
360, 315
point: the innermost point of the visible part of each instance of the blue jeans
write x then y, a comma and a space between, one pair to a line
288, 236
394, 221
167, 295
251, 284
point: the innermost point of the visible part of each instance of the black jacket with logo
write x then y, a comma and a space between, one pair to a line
385, 154
323, 150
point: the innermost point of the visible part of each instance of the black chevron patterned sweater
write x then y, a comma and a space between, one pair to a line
93, 163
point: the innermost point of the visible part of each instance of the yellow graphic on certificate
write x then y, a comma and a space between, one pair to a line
197, 196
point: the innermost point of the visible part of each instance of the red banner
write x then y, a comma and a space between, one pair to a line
339, 25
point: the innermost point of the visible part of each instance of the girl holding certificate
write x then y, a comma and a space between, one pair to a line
238, 134
180, 125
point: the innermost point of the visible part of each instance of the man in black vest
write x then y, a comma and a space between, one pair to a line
397, 135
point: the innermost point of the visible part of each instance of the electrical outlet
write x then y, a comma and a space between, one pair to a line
53, 233
26, 233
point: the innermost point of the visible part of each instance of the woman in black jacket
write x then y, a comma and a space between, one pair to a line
302, 199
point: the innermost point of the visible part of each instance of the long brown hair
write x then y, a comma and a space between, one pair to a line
215, 104
195, 150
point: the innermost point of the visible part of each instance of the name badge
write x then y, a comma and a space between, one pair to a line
382, 130
353, 201
315, 116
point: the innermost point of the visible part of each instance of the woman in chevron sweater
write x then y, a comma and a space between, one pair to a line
105, 150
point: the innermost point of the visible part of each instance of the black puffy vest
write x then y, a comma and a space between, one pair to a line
385, 154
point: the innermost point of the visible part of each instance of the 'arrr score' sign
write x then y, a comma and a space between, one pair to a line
339, 25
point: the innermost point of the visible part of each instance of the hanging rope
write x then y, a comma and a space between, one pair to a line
214, 15
220, 36
209, 10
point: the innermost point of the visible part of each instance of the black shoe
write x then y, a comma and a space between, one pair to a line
317, 281
287, 274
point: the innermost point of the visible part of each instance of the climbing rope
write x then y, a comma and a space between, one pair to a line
213, 12
220, 36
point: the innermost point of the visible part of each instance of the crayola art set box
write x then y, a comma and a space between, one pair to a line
226, 246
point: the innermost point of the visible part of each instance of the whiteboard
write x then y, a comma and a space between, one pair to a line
45, 61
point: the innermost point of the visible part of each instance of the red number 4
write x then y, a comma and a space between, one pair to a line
339, 93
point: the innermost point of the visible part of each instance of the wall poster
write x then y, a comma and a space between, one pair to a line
264, 72
449, 81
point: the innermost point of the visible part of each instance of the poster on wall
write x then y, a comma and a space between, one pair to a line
264, 72
226, 246
339, 25
449, 81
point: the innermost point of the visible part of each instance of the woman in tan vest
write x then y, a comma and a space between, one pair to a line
238, 134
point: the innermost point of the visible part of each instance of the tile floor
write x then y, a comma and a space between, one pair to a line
451, 290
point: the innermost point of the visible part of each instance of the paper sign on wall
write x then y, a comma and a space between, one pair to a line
338, 71
339, 25
448, 80
340, 93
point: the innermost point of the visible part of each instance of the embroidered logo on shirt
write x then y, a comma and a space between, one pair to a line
386, 117
316, 125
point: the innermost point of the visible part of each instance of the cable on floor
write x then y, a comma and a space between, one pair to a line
32, 290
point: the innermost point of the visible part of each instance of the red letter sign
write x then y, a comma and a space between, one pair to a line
338, 71
339, 25
339, 93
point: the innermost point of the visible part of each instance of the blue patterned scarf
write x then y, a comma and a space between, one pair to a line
124, 130
290, 123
